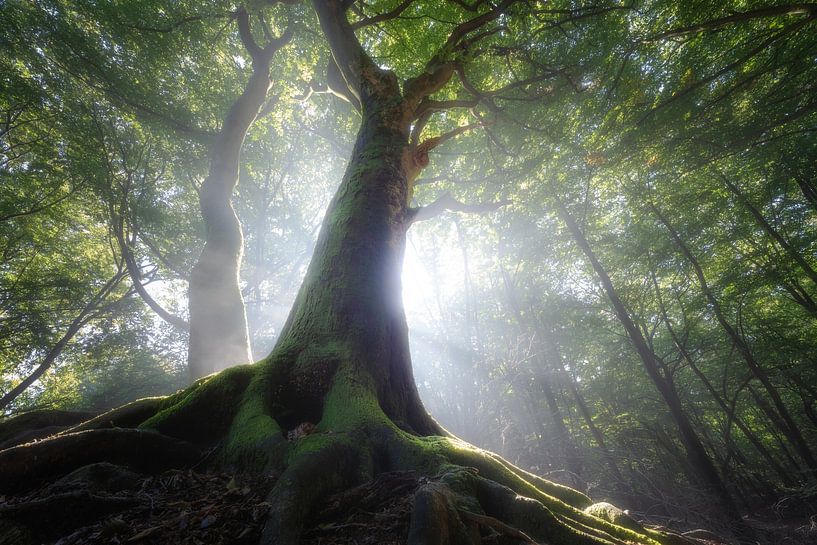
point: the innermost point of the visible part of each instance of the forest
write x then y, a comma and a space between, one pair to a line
425, 272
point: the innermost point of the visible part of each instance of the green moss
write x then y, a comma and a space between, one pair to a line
613, 514
255, 440
426, 453
351, 403
202, 412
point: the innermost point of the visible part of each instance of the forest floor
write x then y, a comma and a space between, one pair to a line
105, 504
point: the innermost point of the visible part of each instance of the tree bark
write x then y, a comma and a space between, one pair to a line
349, 307
809, 190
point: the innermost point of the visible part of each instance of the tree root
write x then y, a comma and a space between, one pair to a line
318, 468
49, 517
129, 415
246, 413
436, 519
203, 412
24, 466
498, 525
33, 425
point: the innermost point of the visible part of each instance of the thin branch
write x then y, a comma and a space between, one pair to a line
716, 24
442, 65
447, 202
381, 17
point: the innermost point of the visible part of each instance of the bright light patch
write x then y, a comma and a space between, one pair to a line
417, 289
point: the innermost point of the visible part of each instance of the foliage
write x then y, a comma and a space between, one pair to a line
699, 112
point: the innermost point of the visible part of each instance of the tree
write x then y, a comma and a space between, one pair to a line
341, 362
219, 335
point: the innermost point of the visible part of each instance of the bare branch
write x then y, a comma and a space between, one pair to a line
430, 106
381, 17
420, 152
139, 286
242, 18
447, 202
258, 53
362, 75
715, 24
442, 66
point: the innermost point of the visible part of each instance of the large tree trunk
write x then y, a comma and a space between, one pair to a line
349, 309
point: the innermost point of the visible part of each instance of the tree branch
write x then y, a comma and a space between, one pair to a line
381, 17
715, 24
442, 65
136, 280
447, 202
362, 76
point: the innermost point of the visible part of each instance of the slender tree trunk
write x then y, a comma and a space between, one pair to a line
559, 365
730, 412
790, 427
800, 296
697, 456
219, 333
775, 427
808, 189
596, 433
547, 358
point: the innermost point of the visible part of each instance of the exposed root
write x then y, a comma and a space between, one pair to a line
319, 467
498, 525
129, 415
33, 425
25, 466
435, 519
246, 412
203, 412
51, 516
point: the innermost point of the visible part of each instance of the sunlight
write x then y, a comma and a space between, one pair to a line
416, 283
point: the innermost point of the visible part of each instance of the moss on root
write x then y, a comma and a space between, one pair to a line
247, 411
204, 411
354, 440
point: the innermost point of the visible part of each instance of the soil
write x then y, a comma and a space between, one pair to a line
106, 504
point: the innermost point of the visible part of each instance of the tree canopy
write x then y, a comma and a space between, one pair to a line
611, 260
